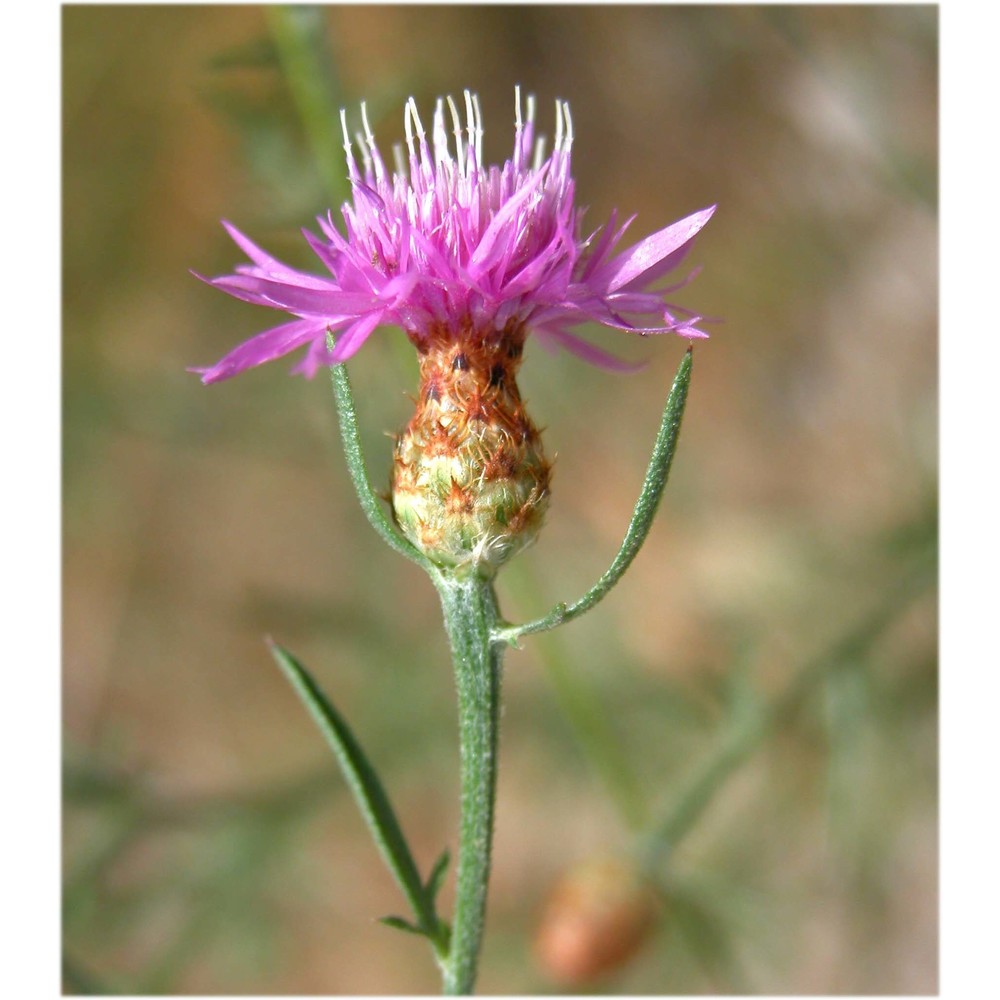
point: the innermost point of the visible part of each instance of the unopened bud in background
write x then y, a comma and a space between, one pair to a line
597, 916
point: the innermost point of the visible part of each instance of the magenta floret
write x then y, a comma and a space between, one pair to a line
444, 241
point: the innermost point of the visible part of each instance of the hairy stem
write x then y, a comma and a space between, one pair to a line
470, 612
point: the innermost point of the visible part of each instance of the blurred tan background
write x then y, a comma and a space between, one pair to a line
209, 843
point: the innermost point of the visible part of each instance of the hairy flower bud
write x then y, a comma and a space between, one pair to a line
470, 482
595, 919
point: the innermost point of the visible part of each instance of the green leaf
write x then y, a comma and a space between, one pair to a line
436, 877
642, 516
401, 925
371, 503
365, 787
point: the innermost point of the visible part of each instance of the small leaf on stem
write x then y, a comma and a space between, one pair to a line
436, 877
401, 925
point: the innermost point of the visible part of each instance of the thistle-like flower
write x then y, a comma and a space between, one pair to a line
468, 259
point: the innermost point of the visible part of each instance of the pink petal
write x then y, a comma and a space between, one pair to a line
589, 352
266, 346
327, 301
502, 220
354, 336
647, 253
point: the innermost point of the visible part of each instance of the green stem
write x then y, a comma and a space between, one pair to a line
642, 517
470, 612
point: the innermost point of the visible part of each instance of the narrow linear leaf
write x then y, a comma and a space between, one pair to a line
642, 516
436, 877
401, 925
363, 782
370, 502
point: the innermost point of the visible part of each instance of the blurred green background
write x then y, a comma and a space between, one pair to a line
209, 845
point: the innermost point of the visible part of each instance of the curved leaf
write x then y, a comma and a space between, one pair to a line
366, 789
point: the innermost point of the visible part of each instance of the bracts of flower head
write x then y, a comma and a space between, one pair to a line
468, 259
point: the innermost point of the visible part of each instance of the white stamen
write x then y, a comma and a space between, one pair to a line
441, 152
518, 124
365, 157
479, 129
531, 108
416, 120
425, 156
364, 120
568, 142
408, 114
470, 121
539, 153
370, 139
352, 167
459, 155
421, 134
557, 143
343, 125
397, 157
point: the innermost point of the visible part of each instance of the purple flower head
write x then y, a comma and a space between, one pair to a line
446, 243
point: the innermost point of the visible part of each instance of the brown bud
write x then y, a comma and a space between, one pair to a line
470, 480
596, 918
